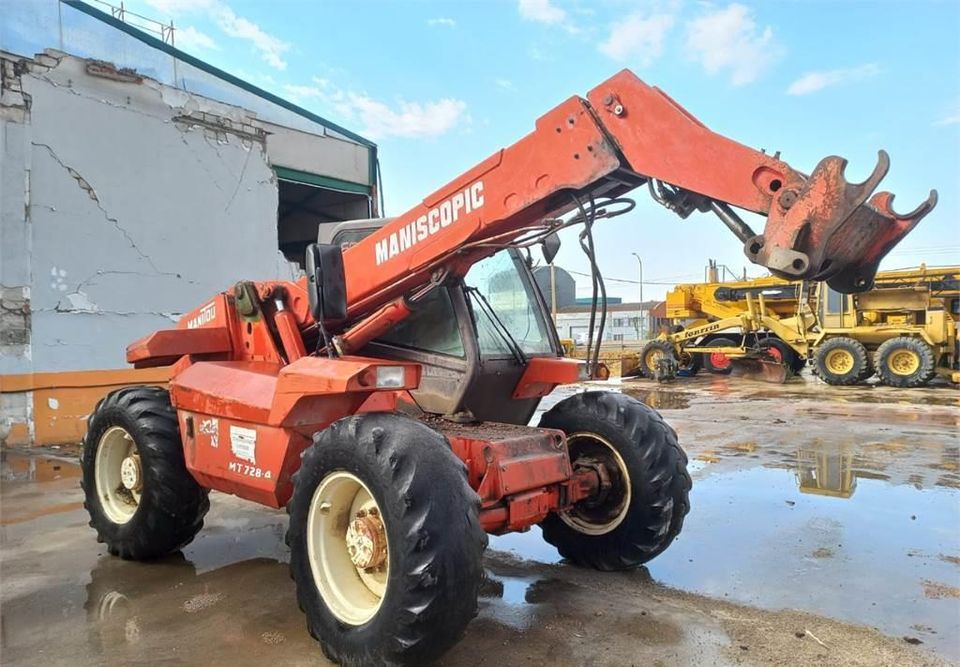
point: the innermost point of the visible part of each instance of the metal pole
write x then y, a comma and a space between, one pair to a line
553, 292
642, 316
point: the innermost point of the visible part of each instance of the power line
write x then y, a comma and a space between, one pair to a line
637, 282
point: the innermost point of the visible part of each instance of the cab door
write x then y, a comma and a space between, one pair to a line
836, 309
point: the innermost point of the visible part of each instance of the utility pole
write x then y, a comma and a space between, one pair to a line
643, 317
553, 293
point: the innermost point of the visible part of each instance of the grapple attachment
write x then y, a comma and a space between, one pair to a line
825, 228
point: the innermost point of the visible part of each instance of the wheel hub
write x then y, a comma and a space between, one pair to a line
366, 540
348, 547
904, 362
606, 510
130, 473
840, 362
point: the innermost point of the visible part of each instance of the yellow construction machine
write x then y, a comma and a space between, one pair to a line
904, 329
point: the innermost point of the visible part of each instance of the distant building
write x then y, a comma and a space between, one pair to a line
566, 286
625, 321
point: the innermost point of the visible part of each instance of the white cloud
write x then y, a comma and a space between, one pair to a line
729, 39
504, 84
541, 11
379, 119
270, 48
191, 39
174, 7
444, 21
811, 82
638, 36
949, 119
408, 119
300, 93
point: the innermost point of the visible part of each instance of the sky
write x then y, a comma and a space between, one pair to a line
442, 85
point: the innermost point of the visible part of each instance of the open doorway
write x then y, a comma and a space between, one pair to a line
307, 201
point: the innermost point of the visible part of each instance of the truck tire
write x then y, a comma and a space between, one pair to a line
141, 498
651, 352
782, 353
643, 510
717, 363
905, 361
395, 576
842, 361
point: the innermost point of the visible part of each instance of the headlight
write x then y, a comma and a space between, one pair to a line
390, 377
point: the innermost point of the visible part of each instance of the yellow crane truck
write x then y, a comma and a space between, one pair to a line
904, 329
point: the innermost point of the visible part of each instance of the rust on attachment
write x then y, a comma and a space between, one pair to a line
825, 228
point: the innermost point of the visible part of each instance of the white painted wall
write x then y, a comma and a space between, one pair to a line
124, 204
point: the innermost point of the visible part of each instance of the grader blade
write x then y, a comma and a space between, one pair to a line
760, 369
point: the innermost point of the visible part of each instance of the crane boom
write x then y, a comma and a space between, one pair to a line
623, 135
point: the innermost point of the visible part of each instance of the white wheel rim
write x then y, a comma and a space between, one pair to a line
118, 476
353, 594
577, 520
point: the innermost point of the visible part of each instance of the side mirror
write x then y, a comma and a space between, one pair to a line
326, 283
551, 246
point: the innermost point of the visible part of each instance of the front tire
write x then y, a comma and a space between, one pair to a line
643, 510
652, 353
141, 498
385, 541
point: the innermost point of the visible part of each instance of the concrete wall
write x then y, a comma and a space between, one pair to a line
124, 203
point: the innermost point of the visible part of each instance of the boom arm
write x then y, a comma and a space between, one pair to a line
626, 134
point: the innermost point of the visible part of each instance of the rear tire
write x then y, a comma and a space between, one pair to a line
419, 599
718, 364
643, 511
842, 361
905, 362
141, 498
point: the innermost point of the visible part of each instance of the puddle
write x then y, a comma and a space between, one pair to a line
818, 538
21, 467
659, 399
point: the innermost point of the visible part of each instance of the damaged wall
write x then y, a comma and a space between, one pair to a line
124, 203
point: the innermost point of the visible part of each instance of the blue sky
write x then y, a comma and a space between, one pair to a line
441, 85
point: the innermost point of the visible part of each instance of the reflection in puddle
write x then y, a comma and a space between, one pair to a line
20, 467
826, 472
777, 537
659, 399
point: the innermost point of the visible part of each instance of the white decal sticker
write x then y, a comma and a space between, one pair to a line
211, 427
243, 443
207, 314
443, 215
249, 471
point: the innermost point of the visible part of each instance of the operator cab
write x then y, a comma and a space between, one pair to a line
472, 337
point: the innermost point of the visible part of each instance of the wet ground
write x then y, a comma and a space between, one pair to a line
824, 529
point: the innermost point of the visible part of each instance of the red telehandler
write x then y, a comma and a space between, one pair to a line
383, 399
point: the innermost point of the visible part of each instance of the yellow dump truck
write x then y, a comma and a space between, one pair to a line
904, 330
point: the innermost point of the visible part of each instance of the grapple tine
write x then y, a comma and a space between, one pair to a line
827, 229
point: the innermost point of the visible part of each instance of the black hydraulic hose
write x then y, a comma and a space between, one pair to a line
733, 221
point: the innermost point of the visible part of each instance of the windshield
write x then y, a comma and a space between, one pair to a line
504, 284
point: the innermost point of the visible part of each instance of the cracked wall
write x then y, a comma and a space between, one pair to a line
124, 205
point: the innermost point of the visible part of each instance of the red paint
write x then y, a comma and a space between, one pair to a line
250, 390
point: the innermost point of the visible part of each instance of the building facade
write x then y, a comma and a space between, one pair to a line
132, 190
626, 322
